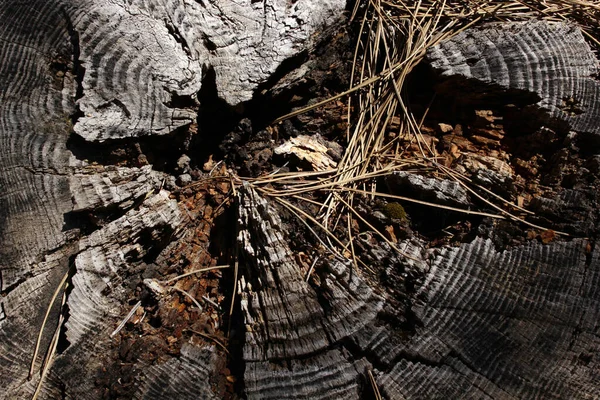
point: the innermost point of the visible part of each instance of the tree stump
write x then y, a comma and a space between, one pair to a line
85, 85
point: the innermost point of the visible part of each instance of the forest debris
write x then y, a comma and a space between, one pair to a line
485, 141
547, 236
474, 162
454, 151
389, 232
459, 141
312, 149
444, 128
209, 164
436, 190
127, 318
486, 118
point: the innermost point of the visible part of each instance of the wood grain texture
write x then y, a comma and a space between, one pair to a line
470, 321
441, 191
98, 299
519, 323
106, 70
289, 320
551, 60
113, 186
330, 375
35, 105
186, 377
140, 57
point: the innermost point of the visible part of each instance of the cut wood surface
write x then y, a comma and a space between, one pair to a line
470, 321
287, 320
521, 323
551, 61
114, 70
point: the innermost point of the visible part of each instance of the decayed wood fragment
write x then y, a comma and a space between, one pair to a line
118, 186
97, 300
287, 319
314, 150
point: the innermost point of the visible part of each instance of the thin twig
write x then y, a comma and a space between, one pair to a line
51, 352
39, 339
193, 272
127, 318
312, 266
211, 302
209, 337
374, 385
189, 296
233, 295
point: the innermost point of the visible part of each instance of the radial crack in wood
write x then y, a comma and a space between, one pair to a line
464, 321
96, 302
106, 70
106, 256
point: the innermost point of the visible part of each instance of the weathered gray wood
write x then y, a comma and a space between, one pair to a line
520, 323
186, 377
128, 67
288, 320
330, 375
139, 55
114, 186
97, 300
441, 191
551, 60
34, 119
473, 322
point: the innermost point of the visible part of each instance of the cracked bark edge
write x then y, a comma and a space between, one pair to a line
97, 299
137, 56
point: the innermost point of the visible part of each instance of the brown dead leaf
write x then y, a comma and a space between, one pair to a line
547, 236
454, 151
444, 128
208, 165
389, 233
